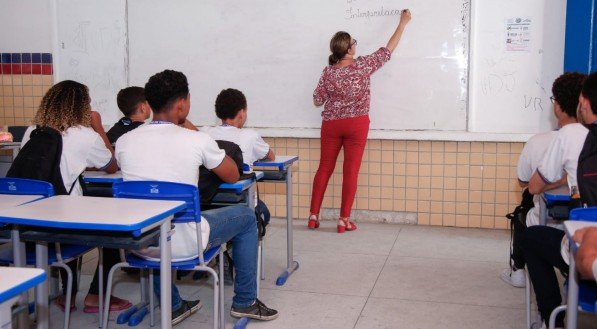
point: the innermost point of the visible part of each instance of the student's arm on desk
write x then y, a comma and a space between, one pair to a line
537, 185
587, 252
227, 170
270, 156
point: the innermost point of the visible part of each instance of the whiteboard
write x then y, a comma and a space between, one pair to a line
275, 50
510, 86
92, 49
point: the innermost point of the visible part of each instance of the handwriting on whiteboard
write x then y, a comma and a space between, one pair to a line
532, 103
368, 13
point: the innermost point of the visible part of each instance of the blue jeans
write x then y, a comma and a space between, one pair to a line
236, 224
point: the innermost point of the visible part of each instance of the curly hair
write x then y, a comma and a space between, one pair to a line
566, 90
66, 104
589, 91
165, 88
229, 102
128, 99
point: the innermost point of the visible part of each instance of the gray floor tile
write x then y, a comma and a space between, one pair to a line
325, 272
453, 243
450, 281
391, 313
381, 276
371, 239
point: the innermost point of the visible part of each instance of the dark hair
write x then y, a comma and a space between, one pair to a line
229, 102
129, 98
66, 104
589, 91
165, 88
339, 46
566, 90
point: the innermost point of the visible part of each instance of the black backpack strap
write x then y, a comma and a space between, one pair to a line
79, 179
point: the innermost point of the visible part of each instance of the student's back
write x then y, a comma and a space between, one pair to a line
167, 152
250, 142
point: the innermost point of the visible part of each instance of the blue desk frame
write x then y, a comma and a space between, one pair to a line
282, 163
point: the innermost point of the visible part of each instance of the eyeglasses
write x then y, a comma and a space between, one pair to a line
552, 99
353, 43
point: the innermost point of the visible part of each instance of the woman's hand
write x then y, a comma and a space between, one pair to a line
405, 17
395, 38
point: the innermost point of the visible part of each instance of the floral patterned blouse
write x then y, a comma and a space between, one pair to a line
345, 90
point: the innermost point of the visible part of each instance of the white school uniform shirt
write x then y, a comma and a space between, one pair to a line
595, 269
562, 154
82, 147
167, 152
251, 144
529, 160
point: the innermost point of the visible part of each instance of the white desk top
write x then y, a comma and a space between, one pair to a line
281, 161
16, 280
570, 226
11, 200
92, 213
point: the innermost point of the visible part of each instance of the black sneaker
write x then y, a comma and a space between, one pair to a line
188, 307
257, 311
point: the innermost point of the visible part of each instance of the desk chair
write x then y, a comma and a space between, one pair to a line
58, 255
173, 191
587, 295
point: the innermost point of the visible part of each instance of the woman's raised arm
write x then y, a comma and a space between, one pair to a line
395, 38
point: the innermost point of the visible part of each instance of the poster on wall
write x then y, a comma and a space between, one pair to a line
518, 34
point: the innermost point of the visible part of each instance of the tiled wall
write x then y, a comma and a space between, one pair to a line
25, 78
465, 184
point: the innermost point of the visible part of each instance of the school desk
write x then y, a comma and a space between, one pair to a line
16, 281
8, 201
13, 146
74, 214
570, 227
283, 166
105, 180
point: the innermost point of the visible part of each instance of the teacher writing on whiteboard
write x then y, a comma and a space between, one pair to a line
343, 89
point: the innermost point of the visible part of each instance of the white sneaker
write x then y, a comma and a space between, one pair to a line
513, 278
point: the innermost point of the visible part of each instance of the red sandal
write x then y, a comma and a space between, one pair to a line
347, 225
313, 222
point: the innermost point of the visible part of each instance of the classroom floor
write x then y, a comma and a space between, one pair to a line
381, 276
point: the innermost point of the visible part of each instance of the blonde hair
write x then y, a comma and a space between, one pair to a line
66, 104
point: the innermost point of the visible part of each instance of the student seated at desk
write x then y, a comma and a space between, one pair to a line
164, 151
131, 102
547, 247
231, 108
66, 107
565, 89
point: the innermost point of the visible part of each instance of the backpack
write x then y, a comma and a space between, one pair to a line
209, 182
40, 159
586, 172
520, 212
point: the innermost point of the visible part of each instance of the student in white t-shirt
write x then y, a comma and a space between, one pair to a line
164, 151
231, 108
66, 107
544, 246
530, 159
